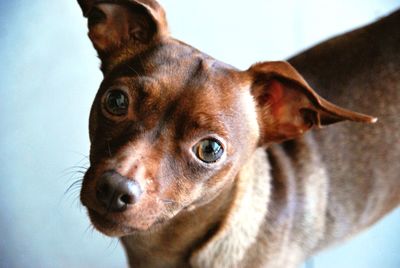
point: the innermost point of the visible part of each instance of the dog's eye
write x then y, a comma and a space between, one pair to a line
117, 102
209, 150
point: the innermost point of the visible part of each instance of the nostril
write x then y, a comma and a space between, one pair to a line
128, 193
127, 199
116, 192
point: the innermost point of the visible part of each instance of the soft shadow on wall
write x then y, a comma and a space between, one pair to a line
49, 76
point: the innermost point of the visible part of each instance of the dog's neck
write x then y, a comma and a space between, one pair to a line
240, 228
215, 226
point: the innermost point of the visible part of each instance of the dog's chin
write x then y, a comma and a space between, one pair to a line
114, 227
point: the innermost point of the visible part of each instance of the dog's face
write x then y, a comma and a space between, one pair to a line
171, 127
179, 128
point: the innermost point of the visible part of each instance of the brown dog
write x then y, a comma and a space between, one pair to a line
179, 167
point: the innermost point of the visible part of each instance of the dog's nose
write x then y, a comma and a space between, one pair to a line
116, 192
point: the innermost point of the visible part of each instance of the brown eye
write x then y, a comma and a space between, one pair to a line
117, 102
209, 150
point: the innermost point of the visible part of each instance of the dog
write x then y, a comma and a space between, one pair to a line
194, 163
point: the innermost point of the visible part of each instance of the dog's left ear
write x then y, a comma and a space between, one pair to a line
123, 28
288, 106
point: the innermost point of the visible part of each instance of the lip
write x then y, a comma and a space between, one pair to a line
102, 220
109, 226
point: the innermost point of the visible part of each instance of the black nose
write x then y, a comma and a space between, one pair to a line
116, 192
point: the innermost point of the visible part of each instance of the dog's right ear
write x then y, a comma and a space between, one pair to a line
123, 28
288, 106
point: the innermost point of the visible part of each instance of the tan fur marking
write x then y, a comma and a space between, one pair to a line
246, 214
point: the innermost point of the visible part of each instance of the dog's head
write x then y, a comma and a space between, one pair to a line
171, 127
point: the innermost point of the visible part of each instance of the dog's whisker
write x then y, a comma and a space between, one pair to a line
132, 69
109, 148
90, 228
74, 170
113, 244
77, 184
170, 201
75, 167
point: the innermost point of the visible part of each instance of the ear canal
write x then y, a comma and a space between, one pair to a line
123, 28
288, 106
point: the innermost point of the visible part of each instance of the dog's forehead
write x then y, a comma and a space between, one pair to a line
173, 67
174, 86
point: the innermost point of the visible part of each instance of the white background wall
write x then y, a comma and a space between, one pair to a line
49, 75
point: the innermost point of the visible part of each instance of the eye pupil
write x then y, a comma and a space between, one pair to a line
209, 150
117, 102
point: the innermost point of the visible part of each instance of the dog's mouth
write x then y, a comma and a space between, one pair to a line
133, 216
119, 206
143, 218
109, 225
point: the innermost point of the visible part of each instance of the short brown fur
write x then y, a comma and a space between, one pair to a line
258, 203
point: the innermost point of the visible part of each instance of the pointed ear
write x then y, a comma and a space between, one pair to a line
123, 28
288, 106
